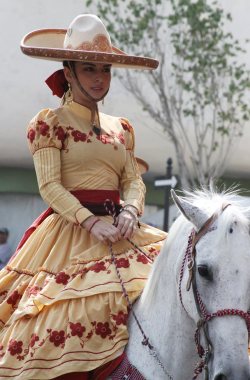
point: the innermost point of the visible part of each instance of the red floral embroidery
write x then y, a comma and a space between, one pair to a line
77, 329
142, 259
153, 250
31, 135
33, 290
15, 347
105, 139
121, 138
60, 133
43, 128
33, 340
62, 278
120, 318
102, 329
98, 267
122, 263
13, 298
57, 337
79, 136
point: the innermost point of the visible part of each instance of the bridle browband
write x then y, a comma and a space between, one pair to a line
204, 316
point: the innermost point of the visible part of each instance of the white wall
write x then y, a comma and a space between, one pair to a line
23, 92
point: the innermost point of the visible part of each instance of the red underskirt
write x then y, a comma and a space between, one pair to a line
100, 373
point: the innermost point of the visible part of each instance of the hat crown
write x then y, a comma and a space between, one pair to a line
87, 32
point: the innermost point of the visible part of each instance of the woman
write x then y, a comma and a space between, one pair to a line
62, 310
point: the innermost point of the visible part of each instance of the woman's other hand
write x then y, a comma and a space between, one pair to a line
103, 231
126, 223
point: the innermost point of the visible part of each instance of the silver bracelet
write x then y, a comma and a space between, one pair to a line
130, 211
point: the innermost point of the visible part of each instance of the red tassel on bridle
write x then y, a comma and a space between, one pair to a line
57, 83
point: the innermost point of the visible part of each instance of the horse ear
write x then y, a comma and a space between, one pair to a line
191, 212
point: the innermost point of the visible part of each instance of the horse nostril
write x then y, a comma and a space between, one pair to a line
220, 377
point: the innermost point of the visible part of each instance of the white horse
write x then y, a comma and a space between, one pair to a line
220, 283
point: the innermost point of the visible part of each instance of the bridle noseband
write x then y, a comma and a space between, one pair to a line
204, 316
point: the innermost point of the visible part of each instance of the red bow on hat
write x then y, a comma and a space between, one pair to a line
57, 83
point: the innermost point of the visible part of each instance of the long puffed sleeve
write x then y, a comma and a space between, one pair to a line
132, 185
45, 137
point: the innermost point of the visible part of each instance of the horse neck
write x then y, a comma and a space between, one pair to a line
165, 322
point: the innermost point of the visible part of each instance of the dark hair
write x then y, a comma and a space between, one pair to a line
66, 63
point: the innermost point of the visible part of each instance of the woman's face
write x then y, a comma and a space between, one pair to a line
93, 77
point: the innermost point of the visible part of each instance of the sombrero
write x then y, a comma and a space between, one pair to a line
86, 40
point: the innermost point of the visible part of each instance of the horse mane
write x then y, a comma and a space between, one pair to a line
210, 201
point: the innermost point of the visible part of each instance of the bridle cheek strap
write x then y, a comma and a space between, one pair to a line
196, 237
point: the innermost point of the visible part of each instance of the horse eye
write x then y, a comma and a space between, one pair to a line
204, 272
231, 230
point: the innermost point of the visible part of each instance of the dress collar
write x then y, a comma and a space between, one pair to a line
79, 109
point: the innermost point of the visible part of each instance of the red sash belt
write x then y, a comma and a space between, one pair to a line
94, 200
96, 196
91, 199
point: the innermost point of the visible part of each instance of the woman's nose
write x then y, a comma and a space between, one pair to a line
98, 78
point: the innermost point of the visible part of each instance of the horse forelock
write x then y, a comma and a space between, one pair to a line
211, 202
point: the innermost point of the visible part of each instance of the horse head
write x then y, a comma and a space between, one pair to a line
197, 296
216, 270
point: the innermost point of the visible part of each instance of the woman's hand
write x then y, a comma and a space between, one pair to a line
126, 223
103, 231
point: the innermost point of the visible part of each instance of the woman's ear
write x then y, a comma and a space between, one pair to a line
67, 74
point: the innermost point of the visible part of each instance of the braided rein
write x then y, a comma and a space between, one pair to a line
110, 208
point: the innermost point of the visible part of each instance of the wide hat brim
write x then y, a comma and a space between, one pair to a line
48, 44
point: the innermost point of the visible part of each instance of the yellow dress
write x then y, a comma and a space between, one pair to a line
61, 305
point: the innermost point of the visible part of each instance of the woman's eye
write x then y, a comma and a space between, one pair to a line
204, 272
86, 68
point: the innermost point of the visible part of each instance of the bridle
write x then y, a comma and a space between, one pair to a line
204, 316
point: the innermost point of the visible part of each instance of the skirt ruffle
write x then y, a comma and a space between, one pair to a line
61, 305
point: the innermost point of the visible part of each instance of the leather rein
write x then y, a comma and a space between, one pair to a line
204, 316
